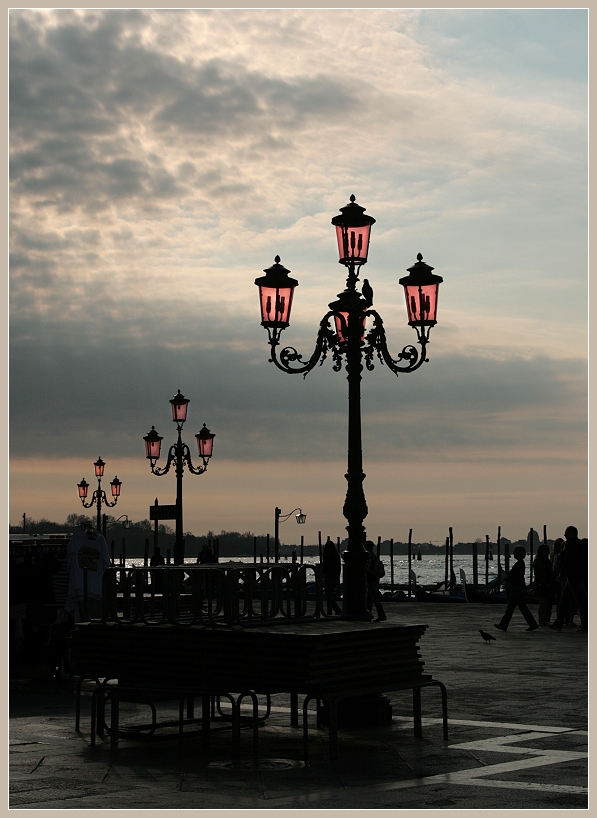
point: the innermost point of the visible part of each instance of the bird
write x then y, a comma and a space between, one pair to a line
487, 636
367, 292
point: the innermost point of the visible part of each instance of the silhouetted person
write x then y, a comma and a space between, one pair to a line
517, 593
157, 579
332, 569
374, 572
575, 570
205, 556
543, 583
157, 558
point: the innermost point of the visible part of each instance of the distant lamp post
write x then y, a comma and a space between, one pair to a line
278, 518
126, 524
349, 340
179, 455
98, 497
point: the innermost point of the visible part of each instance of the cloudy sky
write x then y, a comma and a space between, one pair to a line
161, 159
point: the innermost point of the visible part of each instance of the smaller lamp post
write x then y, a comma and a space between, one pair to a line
126, 524
278, 517
98, 497
179, 455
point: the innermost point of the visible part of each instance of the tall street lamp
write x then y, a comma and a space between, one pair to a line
278, 518
98, 497
356, 334
179, 455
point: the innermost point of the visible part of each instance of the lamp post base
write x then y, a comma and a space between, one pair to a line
354, 605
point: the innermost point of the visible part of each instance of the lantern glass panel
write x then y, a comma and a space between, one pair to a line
205, 443
342, 329
421, 303
83, 489
99, 467
353, 243
153, 443
179, 408
276, 303
116, 484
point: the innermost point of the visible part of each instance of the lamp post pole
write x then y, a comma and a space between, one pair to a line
179, 455
350, 343
98, 497
300, 518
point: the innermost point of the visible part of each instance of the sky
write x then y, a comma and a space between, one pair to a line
161, 159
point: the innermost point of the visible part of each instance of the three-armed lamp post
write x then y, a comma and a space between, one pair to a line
179, 455
279, 517
351, 339
98, 497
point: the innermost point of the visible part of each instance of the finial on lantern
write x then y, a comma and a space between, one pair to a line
352, 197
419, 257
277, 259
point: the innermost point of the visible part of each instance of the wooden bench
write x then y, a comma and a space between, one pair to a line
331, 661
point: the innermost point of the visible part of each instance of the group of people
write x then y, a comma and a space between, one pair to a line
560, 580
332, 569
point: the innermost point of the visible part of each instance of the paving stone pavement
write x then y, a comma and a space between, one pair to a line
517, 720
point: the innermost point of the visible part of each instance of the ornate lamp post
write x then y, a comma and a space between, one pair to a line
356, 335
98, 497
179, 455
278, 518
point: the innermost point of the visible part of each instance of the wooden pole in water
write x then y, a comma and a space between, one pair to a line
254, 549
410, 560
267, 547
146, 554
475, 566
320, 548
544, 535
531, 540
123, 551
112, 551
447, 564
302, 548
378, 547
486, 561
392, 564
452, 575
506, 557
498, 543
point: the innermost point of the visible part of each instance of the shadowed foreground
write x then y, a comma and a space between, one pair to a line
518, 738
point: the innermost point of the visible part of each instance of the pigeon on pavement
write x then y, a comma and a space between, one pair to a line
487, 636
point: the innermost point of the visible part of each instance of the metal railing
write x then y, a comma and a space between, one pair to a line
243, 595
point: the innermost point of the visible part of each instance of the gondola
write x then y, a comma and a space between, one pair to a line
421, 595
474, 596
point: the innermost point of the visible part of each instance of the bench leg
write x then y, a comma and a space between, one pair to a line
114, 715
333, 728
306, 730
205, 720
294, 715
417, 712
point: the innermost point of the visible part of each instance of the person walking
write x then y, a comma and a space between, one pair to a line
375, 571
332, 569
517, 593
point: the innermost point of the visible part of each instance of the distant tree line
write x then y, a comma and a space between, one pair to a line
231, 543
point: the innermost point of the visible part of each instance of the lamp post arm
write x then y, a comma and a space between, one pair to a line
171, 459
376, 344
284, 517
186, 456
106, 502
325, 341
